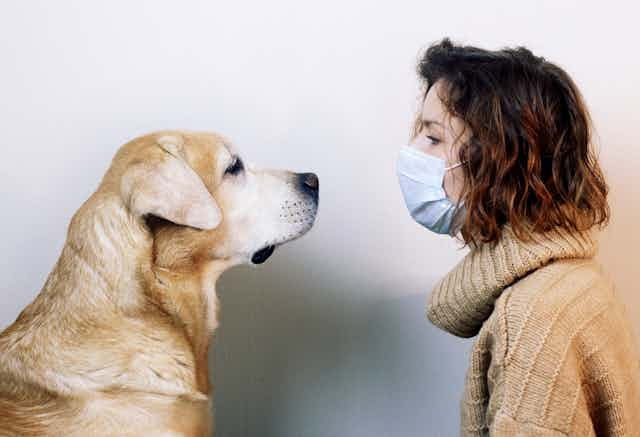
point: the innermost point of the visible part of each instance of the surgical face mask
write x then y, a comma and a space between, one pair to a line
421, 178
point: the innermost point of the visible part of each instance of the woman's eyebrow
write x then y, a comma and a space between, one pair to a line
427, 122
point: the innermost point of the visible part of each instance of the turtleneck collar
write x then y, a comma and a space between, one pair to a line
462, 300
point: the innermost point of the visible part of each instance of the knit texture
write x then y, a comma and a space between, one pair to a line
554, 354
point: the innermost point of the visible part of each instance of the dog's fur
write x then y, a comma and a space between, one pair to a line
116, 342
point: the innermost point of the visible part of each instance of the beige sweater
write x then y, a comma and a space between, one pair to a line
554, 354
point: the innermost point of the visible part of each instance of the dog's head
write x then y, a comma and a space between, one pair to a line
203, 201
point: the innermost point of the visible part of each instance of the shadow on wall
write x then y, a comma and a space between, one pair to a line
304, 352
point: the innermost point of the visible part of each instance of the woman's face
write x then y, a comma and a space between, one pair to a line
440, 134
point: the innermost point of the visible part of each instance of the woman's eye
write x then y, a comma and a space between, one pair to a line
433, 140
235, 167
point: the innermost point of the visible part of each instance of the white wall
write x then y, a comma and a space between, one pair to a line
329, 337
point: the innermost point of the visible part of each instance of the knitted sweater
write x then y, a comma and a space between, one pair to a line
554, 354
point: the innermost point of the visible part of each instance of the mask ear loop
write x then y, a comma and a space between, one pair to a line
460, 164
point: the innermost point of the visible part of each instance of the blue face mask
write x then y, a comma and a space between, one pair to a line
421, 179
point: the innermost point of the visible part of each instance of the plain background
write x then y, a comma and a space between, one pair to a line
329, 337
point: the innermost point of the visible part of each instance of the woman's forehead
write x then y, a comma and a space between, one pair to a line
433, 110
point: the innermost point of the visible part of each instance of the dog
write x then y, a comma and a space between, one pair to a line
116, 342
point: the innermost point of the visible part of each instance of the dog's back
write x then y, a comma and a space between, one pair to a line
106, 415
28, 411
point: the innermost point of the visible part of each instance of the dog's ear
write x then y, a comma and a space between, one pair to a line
167, 187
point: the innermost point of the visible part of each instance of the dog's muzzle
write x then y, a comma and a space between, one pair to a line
308, 185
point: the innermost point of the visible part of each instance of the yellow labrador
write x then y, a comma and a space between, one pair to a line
116, 342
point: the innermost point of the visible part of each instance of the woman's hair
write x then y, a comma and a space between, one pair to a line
529, 158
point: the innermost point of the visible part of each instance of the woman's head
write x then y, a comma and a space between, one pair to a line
521, 128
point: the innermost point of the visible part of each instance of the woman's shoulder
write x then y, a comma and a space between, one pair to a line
561, 291
552, 304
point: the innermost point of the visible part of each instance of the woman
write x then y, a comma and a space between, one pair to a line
501, 156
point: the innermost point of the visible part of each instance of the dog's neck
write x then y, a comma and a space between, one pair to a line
104, 327
188, 298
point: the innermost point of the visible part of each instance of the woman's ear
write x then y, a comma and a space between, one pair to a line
165, 186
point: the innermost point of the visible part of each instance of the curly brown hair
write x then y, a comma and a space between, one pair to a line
530, 162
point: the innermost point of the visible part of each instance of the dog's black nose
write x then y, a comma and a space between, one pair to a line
309, 184
310, 180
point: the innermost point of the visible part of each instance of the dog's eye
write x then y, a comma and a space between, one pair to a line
235, 167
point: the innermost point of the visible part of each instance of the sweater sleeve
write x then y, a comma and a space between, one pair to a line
569, 365
533, 376
505, 426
